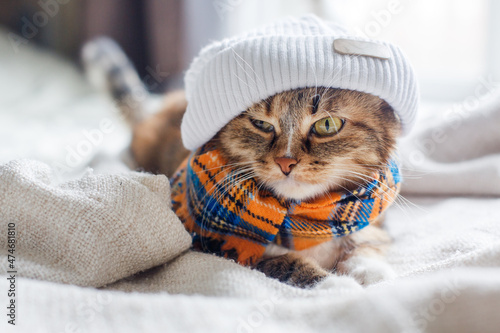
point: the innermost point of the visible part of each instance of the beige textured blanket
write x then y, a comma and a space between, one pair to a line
89, 232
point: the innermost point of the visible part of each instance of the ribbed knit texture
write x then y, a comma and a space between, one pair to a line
230, 75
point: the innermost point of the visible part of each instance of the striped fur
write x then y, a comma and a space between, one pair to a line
109, 69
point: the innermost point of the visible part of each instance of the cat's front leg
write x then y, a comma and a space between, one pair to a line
293, 269
365, 260
367, 270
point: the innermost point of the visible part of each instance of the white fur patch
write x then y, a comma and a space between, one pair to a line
368, 270
293, 189
290, 139
339, 283
325, 254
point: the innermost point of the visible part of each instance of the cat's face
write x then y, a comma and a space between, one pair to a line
305, 142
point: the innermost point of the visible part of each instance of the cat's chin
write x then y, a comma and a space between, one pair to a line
293, 189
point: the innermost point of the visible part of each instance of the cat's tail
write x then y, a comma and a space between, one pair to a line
107, 67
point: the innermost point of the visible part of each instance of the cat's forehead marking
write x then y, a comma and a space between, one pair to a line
361, 48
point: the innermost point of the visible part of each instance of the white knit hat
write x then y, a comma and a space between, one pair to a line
231, 75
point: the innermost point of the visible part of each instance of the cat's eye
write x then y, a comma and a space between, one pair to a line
263, 125
327, 126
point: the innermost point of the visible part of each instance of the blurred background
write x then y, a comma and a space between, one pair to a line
450, 42
454, 46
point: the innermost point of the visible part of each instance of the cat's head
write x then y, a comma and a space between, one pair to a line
305, 142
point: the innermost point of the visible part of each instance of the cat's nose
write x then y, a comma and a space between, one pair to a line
286, 164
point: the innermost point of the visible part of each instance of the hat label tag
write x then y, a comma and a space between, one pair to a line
362, 48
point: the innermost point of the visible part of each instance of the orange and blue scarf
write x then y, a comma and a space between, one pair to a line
237, 220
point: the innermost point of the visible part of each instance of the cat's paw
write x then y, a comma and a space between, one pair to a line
338, 282
368, 270
293, 269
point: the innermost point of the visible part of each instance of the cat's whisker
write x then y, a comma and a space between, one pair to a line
243, 81
347, 190
377, 195
397, 194
215, 185
327, 192
230, 168
228, 165
365, 177
381, 166
260, 185
212, 178
217, 195
333, 79
234, 183
228, 177
338, 76
247, 73
366, 181
248, 65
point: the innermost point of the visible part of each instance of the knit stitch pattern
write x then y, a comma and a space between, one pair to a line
231, 75
237, 219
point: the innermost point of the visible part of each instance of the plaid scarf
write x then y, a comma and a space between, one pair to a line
237, 220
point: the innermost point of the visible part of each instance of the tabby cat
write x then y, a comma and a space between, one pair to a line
297, 144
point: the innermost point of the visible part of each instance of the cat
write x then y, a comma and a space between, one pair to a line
298, 144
